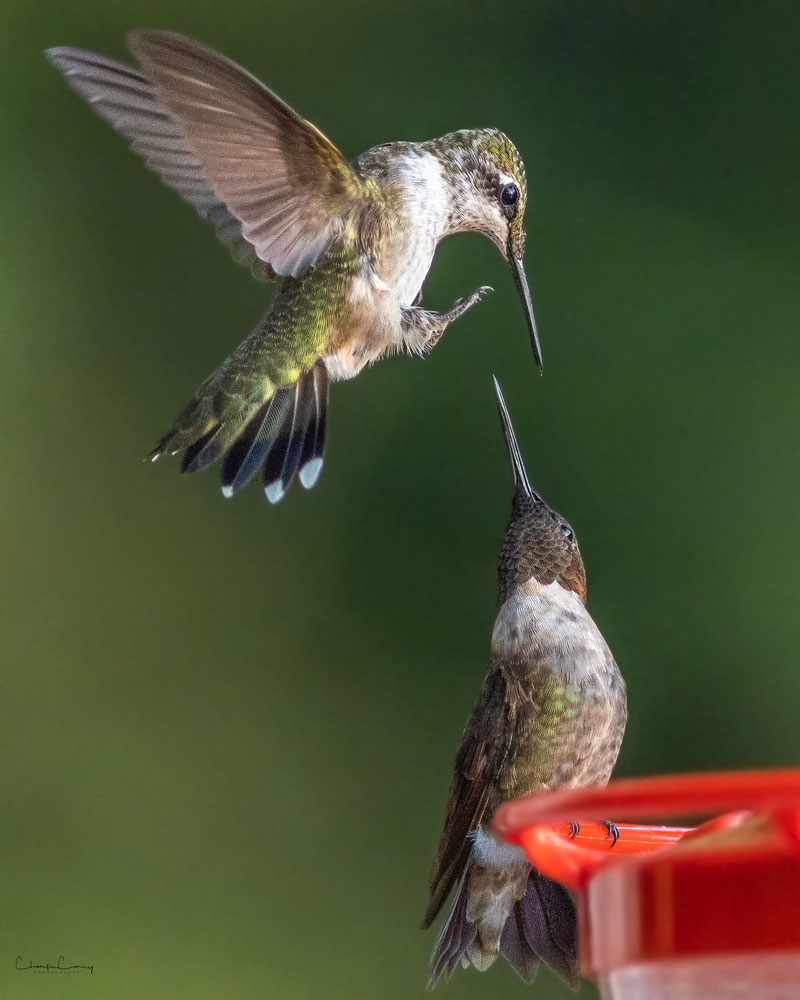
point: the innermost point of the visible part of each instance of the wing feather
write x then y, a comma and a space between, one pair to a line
288, 185
479, 761
128, 101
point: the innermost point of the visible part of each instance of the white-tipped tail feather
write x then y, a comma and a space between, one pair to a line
503, 906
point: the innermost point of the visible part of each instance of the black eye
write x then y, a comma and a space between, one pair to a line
509, 195
569, 534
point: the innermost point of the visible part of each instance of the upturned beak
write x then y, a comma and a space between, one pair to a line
517, 465
524, 293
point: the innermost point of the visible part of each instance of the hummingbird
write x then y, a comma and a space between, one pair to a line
551, 715
350, 244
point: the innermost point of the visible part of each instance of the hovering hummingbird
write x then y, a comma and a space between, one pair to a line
350, 244
551, 714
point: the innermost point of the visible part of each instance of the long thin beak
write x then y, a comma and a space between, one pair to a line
524, 293
517, 465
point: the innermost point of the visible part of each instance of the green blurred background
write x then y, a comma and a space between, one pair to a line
230, 727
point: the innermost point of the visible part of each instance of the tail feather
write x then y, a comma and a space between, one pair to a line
516, 949
281, 465
550, 926
238, 465
253, 446
540, 926
194, 449
217, 442
314, 443
301, 441
283, 436
456, 937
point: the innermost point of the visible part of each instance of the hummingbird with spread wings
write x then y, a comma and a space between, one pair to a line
551, 715
350, 244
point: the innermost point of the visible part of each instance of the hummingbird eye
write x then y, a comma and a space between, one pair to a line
509, 195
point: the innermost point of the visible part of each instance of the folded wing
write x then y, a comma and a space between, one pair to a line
473, 793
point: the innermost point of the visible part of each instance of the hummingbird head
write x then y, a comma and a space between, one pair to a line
489, 197
539, 542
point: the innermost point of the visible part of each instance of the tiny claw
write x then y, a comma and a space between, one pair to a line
473, 299
574, 830
611, 831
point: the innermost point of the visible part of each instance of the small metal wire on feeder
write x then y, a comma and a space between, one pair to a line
698, 913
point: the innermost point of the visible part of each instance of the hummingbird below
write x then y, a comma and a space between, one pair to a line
551, 715
350, 244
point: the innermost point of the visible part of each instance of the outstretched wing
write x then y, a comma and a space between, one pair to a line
479, 762
127, 100
286, 183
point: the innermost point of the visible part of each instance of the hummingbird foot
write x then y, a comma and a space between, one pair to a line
461, 305
423, 328
612, 831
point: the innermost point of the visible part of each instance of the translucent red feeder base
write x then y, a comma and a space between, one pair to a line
677, 913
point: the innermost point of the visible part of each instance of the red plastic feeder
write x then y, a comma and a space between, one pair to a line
677, 913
